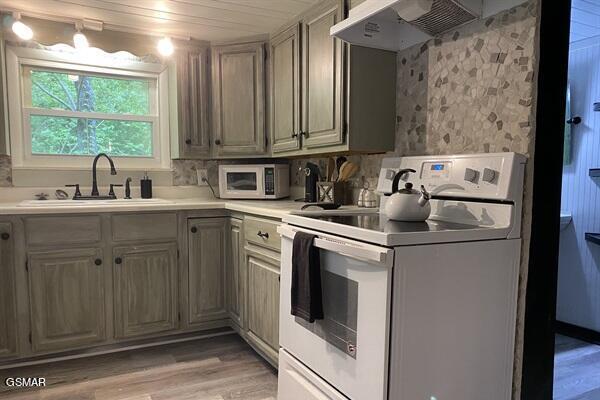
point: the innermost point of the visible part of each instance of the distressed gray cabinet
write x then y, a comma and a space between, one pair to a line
347, 93
285, 90
263, 304
262, 252
322, 79
67, 290
193, 139
8, 321
238, 98
145, 284
207, 248
235, 273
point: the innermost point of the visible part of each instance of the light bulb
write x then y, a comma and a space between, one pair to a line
165, 46
22, 30
80, 41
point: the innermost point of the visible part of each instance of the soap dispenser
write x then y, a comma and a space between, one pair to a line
146, 186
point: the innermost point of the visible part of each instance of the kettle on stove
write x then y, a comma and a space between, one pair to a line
407, 204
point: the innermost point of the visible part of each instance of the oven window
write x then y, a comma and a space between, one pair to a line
340, 308
241, 181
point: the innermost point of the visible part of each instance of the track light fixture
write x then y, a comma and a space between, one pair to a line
79, 39
20, 29
165, 46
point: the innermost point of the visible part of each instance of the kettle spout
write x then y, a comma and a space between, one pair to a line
425, 196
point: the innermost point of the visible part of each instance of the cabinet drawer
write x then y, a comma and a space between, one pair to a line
63, 230
262, 232
144, 226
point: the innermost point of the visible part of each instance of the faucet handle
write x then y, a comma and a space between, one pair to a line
111, 192
77, 192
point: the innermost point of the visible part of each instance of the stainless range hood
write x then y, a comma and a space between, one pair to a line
399, 24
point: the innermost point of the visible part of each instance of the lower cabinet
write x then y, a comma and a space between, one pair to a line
263, 305
207, 247
8, 319
145, 289
235, 273
66, 298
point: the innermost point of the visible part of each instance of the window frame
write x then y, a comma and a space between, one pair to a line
18, 59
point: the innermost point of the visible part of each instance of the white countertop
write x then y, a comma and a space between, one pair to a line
267, 208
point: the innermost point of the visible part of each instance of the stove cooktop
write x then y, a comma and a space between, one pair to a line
377, 222
372, 227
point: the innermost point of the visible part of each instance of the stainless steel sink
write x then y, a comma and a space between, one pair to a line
87, 203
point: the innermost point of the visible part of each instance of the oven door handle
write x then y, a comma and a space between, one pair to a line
349, 248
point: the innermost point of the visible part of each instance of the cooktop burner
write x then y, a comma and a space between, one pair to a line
377, 222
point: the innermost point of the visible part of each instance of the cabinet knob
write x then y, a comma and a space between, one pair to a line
218, 142
5, 236
574, 121
98, 261
302, 133
188, 141
264, 235
118, 260
294, 135
194, 229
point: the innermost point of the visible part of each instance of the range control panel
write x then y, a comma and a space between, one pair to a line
489, 176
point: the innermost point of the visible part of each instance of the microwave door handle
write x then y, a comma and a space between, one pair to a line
361, 252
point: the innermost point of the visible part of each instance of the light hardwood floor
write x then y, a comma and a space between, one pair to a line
219, 368
576, 370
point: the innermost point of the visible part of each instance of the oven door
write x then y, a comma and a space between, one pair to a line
348, 348
236, 182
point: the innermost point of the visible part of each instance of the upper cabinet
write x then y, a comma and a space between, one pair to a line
322, 79
347, 93
193, 140
285, 90
323, 95
238, 95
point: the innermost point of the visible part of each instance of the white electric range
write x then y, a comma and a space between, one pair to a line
413, 310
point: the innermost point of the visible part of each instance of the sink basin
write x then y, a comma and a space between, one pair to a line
84, 203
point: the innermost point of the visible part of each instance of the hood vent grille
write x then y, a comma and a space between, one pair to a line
443, 16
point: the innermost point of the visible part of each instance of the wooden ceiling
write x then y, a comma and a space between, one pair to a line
212, 20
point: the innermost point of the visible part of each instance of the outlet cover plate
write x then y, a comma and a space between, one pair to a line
202, 174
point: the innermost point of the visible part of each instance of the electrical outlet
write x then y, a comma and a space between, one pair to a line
202, 175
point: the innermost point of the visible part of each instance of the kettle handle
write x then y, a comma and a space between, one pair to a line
398, 176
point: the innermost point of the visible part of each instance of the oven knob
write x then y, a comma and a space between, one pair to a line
471, 175
489, 175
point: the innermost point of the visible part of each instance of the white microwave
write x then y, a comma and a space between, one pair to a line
259, 181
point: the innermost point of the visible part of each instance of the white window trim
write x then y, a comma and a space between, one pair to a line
21, 157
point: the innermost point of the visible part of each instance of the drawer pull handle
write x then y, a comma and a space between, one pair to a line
98, 261
5, 236
194, 229
264, 235
118, 260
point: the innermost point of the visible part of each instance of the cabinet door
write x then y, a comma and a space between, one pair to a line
238, 82
263, 305
66, 289
235, 272
8, 320
192, 98
206, 269
145, 279
322, 80
285, 90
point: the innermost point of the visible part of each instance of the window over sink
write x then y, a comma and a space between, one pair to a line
68, 106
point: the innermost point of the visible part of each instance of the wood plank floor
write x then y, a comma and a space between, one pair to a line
576, 370
219, 368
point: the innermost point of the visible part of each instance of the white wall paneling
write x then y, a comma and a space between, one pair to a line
579, 265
